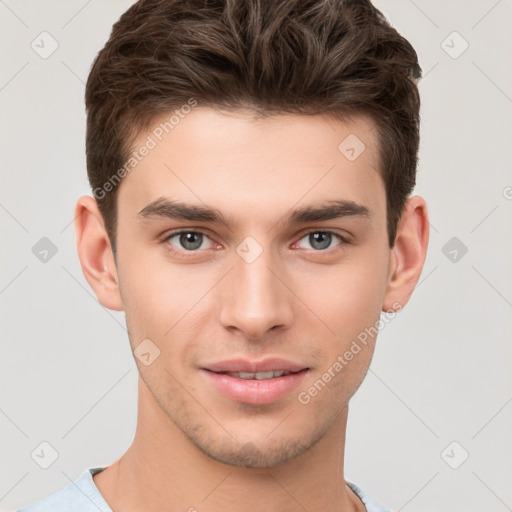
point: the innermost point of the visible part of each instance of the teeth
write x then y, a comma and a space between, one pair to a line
264, 375
258, 376
244, 375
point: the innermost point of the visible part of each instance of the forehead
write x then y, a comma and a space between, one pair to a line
242, 165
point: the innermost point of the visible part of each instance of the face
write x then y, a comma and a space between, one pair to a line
251, 255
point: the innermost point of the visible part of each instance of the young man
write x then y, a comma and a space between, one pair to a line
252, 163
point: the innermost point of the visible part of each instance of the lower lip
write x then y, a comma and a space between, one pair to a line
253, 391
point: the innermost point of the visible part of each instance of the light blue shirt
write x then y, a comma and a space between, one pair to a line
82, 495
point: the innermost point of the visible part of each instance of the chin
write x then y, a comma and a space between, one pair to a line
249, 455
256, 452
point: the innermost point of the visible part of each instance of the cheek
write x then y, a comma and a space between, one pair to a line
347, 298
149, 294
162, 298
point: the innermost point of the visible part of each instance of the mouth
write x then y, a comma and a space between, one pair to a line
259, 375
255, 383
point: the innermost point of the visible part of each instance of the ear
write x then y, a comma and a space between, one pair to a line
95, 253
407, 254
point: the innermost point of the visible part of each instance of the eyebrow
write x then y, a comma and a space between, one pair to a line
169, 209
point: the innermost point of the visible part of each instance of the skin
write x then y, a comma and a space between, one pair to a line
194, 447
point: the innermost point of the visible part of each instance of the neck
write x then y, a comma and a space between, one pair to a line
164, 471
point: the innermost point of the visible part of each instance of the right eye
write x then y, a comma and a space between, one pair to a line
187, 241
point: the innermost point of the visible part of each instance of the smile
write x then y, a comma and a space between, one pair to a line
259, 383
259, 376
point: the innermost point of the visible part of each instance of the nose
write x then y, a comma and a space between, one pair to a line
255, 299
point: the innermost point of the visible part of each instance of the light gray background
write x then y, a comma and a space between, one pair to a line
441, 371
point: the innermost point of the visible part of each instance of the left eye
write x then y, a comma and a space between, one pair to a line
320, 240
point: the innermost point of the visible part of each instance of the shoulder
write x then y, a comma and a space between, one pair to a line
81, 495
371, 506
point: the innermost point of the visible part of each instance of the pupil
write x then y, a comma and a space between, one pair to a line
323, 238
187, 240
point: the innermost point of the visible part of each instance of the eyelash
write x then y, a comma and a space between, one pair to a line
167, 237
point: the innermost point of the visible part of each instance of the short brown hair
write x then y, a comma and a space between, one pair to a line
332, 57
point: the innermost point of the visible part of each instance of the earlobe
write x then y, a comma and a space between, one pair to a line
95, 253
407, 255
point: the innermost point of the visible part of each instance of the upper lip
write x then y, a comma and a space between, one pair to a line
246, 365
